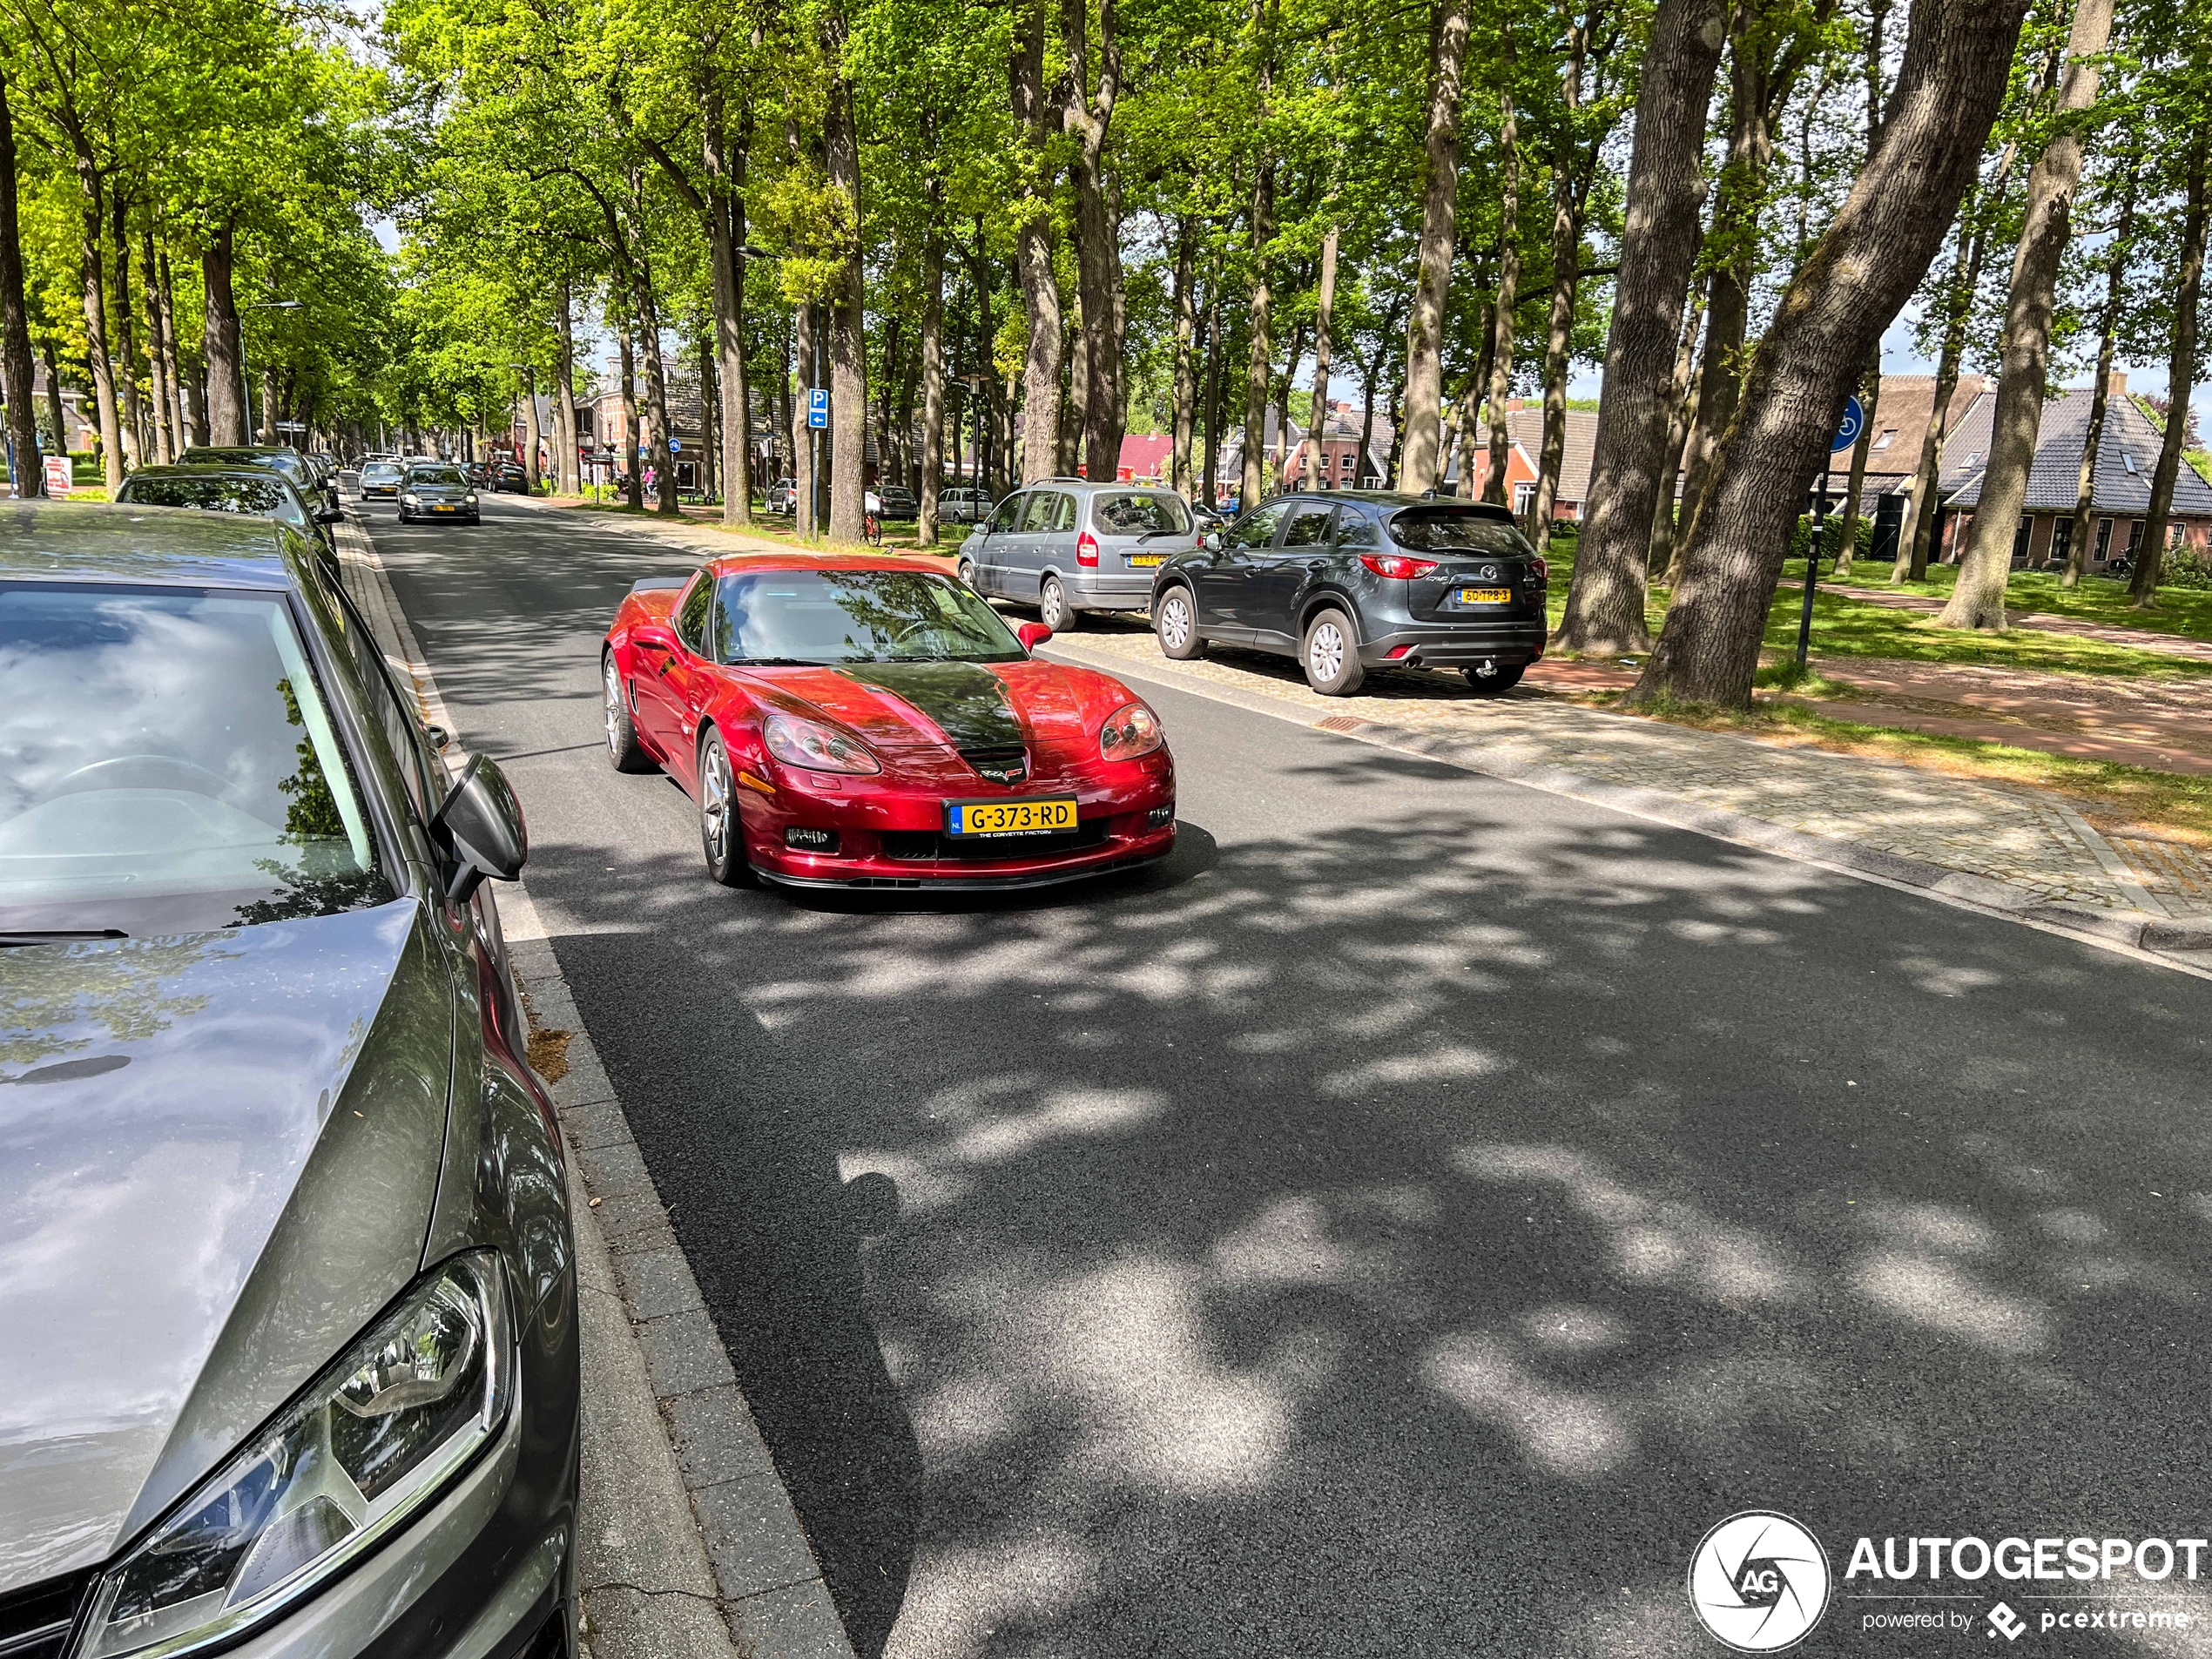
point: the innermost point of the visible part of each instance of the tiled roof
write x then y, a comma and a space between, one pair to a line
1527, 427
1902, 413
2126, 457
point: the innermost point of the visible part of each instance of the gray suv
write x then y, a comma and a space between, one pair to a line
1067, 546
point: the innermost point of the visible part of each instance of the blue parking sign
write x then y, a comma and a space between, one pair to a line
818, 405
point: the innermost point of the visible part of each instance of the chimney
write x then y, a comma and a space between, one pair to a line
2116, 383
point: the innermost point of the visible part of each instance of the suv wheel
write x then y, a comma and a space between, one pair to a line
1174, 624
1054, 609
1331, 655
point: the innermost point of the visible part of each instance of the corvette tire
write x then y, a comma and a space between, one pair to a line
1174, 624
622, 747
721, 830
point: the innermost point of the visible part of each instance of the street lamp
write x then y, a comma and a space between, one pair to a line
245, 386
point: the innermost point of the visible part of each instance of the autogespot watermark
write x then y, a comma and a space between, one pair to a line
1760, 1582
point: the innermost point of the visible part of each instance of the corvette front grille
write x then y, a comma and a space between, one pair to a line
926, 845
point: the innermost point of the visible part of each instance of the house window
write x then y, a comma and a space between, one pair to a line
2174, 532
2061, 540
1523, 494
2019, 540
2104, 540
1883, 442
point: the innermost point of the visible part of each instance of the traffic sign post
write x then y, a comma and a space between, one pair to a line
1853, 423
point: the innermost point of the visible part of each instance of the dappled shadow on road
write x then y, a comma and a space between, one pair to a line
1362, 1240
520, 602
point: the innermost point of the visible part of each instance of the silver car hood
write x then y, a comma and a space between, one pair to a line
219, 1153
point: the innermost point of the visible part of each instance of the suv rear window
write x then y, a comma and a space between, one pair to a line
1141, 514
1454, 530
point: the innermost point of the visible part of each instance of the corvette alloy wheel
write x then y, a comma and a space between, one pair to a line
721, 834
622, 747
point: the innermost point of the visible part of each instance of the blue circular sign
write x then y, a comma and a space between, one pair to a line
1854, 423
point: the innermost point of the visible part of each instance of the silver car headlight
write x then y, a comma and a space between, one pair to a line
412, 499
471, 500
371, 1442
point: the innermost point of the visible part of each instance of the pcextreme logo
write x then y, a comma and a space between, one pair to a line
1759, 1581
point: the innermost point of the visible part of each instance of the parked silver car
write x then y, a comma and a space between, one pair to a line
1067, 546
963, 505
287, 1276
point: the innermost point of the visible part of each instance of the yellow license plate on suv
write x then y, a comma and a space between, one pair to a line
1144, 561
1486, 596
1040, 816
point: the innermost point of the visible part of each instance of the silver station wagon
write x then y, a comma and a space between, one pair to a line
1067, 546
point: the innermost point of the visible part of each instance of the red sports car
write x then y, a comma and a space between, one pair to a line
866, 723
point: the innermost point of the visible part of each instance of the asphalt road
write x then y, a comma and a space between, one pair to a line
1402, 1223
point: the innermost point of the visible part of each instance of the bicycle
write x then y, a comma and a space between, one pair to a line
872, 529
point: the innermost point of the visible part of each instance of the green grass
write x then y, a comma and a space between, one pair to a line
1844, 626
2181, 611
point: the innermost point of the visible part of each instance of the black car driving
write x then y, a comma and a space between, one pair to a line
1347, 582
291, 1364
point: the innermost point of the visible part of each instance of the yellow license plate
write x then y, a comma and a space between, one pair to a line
1144, 561
1011, 817
440, 507
1486, 596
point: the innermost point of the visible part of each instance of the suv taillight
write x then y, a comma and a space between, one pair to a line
1397, 565
1087, 550
1543, 569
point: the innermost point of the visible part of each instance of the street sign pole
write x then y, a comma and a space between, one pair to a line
1854, 421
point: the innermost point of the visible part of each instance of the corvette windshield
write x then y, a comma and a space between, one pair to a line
167, 764
822, 617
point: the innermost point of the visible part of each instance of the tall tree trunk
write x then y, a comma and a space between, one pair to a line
1032, 250
1658, 245
1951, 80
571, 471
2122, 249
726, 233
804, 443
1571, 165
1317, 468
657, 456
1918, 531
1359, 473
189, 417
1086, 115
932, 375
1185, 393
226, 375
1210, 394
96, 337
1074, 414
1500, 388
2181, 383
130, 416
1682, 400
848, 325
55, 411
532, 437
633, 462
29, 476
1419, 436
269, 404
1260, 364
1978, 600
158, 357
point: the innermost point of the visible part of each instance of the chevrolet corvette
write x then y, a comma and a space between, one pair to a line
868, 723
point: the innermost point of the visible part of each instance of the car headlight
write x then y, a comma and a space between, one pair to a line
412, 499
1130, 730
369, 1442
470, 499
818, 747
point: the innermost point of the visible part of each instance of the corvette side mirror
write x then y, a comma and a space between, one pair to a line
480, 827
1032, 634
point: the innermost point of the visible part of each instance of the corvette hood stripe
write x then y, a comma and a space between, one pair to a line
966, 699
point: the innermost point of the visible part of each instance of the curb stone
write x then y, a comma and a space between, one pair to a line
688, 1546
2149, 931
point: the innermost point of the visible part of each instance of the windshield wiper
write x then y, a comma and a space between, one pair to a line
56, 936
775, 662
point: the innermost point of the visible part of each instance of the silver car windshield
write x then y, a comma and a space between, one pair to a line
168, 765
825, 617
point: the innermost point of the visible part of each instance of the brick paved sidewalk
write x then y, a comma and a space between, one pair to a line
2009, 846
